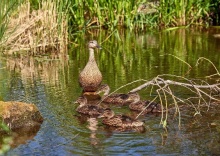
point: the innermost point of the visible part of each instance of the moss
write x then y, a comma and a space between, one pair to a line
18, 115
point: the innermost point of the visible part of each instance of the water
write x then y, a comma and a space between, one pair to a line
52, 84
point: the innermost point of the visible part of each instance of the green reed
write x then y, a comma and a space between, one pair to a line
184, 12
5, 139
35, 31
111, 14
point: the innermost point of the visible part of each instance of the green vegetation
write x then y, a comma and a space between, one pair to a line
140, 14
184, 12
6, 9
5, 140
42, 26
34, 31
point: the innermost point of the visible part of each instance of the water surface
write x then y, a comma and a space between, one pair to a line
52, 84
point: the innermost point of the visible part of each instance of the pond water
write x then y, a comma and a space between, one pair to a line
52, 84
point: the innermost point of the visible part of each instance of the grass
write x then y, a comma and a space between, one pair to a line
184, 12
6, 140
36, 31
131, 14
6, 9
39, 27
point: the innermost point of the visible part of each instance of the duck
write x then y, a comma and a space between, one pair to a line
90, 77
117, 98
119, 121
146, 107
88, 109
148, 8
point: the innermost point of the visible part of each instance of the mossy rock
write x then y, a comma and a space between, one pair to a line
19, 115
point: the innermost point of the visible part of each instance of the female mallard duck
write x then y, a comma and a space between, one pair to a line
88, 109
90, 77
119, 98
148, 8
123, 121
146, 107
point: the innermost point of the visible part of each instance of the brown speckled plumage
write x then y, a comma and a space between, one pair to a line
146, 107
90, 77
123, 121
118, 98
89, 109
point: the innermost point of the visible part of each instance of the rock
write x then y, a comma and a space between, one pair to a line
18, 115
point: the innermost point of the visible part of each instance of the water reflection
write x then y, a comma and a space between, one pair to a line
52, 84
93, 126
19, 136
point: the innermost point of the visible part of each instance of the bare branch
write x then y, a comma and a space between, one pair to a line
171, 82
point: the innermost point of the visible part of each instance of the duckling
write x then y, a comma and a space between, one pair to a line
146, 107
88, 109
90, 77
122, 121
119, 98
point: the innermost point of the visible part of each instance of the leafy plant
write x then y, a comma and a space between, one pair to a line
6, 141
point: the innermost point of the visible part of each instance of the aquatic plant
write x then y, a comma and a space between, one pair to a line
6, 140
184, 12
36, 31
6, 9
137, 15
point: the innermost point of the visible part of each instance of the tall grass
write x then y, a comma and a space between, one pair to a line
41, 26
111, 14
5, 140
6, 9
184, 12
102, 13
37, 31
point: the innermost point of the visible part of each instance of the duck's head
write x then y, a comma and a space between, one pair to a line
108, 113
134, 97
141, 7
104, 88
94, 44
81, 100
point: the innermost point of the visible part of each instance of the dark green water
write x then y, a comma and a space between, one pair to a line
52, 84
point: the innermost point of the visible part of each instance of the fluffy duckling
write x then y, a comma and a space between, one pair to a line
88, 109
118, 98
146, 107
122, 121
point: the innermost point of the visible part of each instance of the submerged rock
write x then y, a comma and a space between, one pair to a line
18, 115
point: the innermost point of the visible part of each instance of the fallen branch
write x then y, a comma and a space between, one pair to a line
155, 81
200, 93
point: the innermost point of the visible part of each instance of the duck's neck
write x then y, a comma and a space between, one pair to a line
91, 55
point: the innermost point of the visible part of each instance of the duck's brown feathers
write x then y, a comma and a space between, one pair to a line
120, 99
117, 98
122, 121
90, 110
146, 107
90, 77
